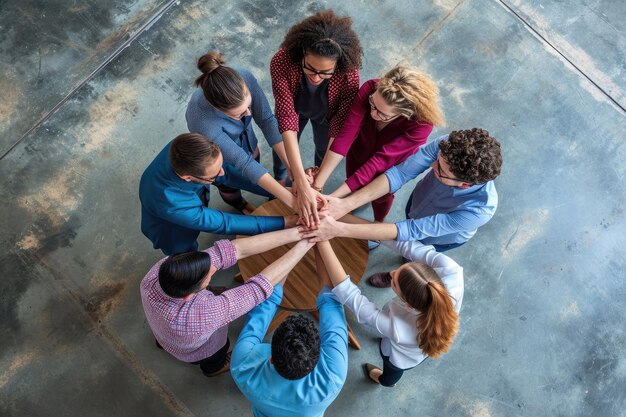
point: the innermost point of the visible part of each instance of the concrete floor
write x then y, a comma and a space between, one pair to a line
93, 89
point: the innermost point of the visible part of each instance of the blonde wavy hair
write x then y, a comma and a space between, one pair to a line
413, 94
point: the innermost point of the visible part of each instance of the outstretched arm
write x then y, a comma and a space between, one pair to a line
279, 269
360, 229
248, 246
331, 263
338, 207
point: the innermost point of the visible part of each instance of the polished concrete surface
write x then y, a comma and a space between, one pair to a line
92, 90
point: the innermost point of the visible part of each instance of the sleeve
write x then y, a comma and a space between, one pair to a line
284, 92
240, 159
223, 254
255, 327
365, 311
442, 224
412, 166
345, 96
388, 156
219, 310
333, 333
261, 111
450, 272
185, 209
354, 121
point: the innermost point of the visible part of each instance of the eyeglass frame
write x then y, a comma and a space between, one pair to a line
322, 74
443, 176
383, 116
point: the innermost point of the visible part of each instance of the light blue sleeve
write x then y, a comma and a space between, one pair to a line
464, 219
255, 328
333, 333
414, 165
261, 110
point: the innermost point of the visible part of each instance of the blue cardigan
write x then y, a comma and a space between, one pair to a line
172, 213
226, 132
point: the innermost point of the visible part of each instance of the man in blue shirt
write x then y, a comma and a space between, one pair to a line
302, 371
447, 206
174, 193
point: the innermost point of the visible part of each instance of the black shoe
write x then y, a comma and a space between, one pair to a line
220, 371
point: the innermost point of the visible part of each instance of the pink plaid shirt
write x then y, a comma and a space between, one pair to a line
194, 330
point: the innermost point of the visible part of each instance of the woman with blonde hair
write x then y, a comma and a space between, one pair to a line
388, 121
420, 322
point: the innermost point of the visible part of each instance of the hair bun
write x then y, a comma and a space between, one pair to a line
210, 61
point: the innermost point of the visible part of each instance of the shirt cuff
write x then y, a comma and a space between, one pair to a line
395, 182
265, 284
225, 254
403, 230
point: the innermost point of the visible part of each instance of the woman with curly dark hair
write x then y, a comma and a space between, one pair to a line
315, 76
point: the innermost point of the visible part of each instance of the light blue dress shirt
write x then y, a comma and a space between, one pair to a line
440, 214
269, 393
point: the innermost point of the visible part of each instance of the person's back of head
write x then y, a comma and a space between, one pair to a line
438, 322
222, 86
183, 274
327, 35
295, 347
192, 153
473, 155
413, 94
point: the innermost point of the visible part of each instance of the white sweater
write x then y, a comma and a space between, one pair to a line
396, 322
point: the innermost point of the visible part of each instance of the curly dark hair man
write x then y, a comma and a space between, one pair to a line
328, 35
295, 347
472, 155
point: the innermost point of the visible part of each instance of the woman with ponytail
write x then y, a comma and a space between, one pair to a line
315, 76
421, 321
388, 121
222, 109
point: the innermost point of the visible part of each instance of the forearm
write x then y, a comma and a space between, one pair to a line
279, 148
292, 150
341, 191
334, 268
249, 246
281, 267
371, 231
269, 184
375, 189
330, 162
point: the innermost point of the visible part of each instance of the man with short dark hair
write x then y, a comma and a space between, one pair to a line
447, 206
174, 192
303, 370
189, 321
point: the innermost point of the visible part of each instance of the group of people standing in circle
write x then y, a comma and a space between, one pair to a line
381, 127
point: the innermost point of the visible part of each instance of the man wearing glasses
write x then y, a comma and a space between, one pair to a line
174, 194
447, 206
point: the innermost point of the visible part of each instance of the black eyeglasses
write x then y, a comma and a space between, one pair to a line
440, 175
208, 180
383, 117
312, 71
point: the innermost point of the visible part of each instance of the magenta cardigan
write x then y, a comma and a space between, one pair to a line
369, 152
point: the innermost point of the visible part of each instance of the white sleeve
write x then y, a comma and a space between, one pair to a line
365, 311
448, 270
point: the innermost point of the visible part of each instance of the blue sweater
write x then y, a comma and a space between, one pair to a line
172, 213
269, 393
226, 132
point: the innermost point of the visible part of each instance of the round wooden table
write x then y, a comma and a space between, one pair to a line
302, 286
